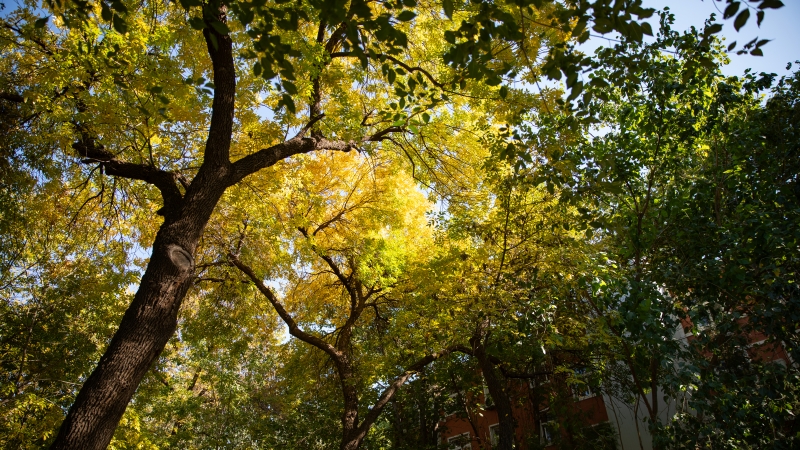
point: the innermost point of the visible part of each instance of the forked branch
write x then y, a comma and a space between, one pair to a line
93, 152
398, 382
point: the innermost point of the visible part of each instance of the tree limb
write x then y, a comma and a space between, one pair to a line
268, 156
345, 280
220, 48
96, 153
398, 382
294, 329
12, 97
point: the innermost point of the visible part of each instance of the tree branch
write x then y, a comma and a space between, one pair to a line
12, 97
33, 39
345, 280
398, 382
222, 107
294, 329
269, 156
96, 153
382, 56
299, 144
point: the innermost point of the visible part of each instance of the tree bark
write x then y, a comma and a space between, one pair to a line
151, 319
495, 382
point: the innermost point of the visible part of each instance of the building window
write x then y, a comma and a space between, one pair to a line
581, 389
494, 435
547, 428
460, 442
487, 397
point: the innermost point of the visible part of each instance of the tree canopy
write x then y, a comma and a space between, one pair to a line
252, 224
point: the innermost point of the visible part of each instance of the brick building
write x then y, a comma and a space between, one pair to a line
598, 421
536, 428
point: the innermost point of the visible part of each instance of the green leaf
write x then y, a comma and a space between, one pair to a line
599, 82
447, 5
503, 92
741, 19
712, 29
731, 10
105, 12
602, 25
426, 117
119, 25
289, 87
775, 4
40, 23
406, 16
288, 102
197, 23
221, 27
119, 6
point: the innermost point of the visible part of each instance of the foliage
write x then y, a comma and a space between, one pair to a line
683, 230
575, 240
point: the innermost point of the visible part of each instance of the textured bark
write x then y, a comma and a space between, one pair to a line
151, 318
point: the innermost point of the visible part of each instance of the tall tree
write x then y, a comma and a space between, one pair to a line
355, 230
72, 75
665, 213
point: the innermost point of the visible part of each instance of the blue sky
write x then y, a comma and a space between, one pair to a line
781, 25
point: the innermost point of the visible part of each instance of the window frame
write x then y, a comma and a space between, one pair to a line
461, 441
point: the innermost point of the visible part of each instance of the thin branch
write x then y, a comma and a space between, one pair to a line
398, 382
382, 56
33, 39
294, 329
345, 280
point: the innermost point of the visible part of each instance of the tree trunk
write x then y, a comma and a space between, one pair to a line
654, 364
495, 382
351, 432
151, 319
143, 333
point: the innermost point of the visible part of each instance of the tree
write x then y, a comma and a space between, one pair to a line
665, 211
70, 77
510, 289
736, 282
357, 229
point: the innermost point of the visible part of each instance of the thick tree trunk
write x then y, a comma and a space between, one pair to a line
147, 325
151, 319
144, 331
351, 434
